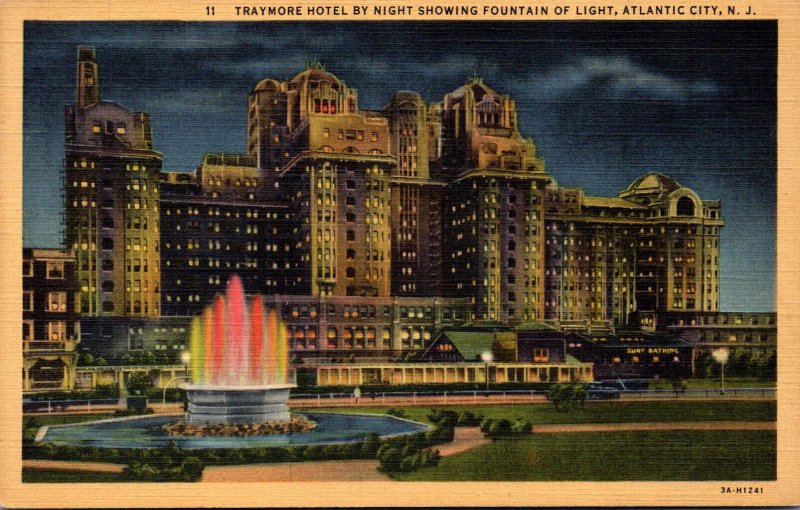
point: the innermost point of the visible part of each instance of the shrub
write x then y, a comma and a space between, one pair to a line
234, 456
499, 429
192, 467
332, 451
369, 447
429, 457
383, 449
313, 452
679, 385
566, 397
438, 435
391, 459
139, 383
444, 418
468, 419
399, 413
521, 427
409, 450
142, 471
410, 463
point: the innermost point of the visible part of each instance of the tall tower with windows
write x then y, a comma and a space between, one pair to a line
416, 198
331, 164
493, 214
111, 192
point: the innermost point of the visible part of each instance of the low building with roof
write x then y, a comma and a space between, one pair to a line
466, 355
633, 354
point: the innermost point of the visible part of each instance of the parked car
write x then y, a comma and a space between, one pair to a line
601, 391
625, 384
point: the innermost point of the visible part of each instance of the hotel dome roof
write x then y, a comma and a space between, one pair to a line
267, 83
315, 74
652, 183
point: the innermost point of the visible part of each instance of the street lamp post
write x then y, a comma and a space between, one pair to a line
721, 356
185, 358
487, 357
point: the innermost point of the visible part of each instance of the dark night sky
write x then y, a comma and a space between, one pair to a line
604, 102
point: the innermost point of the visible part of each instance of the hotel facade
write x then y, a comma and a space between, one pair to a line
443, 208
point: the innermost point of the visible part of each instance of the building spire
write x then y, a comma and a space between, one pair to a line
314, 64
475, 77
88, 77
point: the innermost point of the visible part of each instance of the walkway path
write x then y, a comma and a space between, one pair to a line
330, 471
69, 465
324, 471
627, 427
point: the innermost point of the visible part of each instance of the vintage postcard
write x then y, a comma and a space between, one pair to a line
317, 253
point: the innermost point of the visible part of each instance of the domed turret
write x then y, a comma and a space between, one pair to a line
658, 190
315, 76
267, 84
651, 184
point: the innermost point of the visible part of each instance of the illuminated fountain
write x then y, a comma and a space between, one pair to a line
239, 362
240, 386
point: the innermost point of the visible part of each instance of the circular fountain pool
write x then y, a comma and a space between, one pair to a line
149, 433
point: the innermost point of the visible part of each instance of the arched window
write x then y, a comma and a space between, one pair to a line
685, 206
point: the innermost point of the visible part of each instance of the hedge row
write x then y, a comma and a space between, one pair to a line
163, 463
449, 418
504, 429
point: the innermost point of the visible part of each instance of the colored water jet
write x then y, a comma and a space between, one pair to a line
239, 357
236, 343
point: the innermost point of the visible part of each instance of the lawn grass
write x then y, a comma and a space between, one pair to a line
614, 456
70, 418
602, 412
36, 475
730, 382
29, 432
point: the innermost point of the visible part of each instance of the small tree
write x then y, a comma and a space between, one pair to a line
139, 383
566, 397
679, 385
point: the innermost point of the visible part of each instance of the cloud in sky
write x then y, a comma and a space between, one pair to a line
616, 78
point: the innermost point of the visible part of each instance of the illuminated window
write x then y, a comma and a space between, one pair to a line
55, 270
56, 301
57, 331
541, 355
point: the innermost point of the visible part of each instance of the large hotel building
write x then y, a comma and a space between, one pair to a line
370, 229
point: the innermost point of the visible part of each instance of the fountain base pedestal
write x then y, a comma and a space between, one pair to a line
237, 404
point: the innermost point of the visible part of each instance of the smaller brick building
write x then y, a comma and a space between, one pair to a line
50, 327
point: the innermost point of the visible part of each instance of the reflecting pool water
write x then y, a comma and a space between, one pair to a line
148, 432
